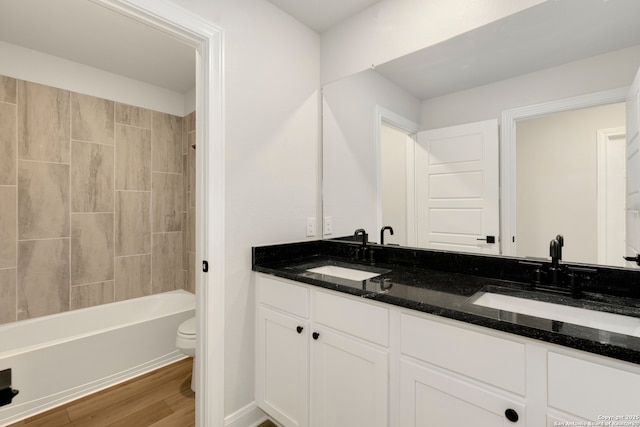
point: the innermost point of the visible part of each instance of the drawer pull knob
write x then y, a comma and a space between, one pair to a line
315, 335
511, 415
299, 329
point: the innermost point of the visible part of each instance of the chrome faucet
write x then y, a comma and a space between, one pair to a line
382, 233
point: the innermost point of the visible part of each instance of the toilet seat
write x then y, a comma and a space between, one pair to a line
187, 329
186, 337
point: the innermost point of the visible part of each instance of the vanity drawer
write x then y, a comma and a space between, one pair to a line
591, 390
363, 320
495, 361
284, 295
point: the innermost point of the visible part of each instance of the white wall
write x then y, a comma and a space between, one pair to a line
271, 66
350, 174
556, 181
392, 28
37, 67
598, 73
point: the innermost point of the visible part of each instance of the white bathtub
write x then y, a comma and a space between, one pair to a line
58, 358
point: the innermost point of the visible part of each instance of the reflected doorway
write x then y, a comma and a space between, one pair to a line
568, 183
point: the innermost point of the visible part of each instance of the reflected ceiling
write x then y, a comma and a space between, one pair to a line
543, 36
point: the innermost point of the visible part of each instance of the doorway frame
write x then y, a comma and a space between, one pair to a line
509, 120
605, 137
387, 117
208, 43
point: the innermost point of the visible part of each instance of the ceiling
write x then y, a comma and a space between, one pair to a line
101, 39
548, 34
320, 15
111, 42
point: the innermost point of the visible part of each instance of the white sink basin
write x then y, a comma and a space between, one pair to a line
343, 272
579, 316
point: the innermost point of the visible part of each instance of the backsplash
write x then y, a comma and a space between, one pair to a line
96, 201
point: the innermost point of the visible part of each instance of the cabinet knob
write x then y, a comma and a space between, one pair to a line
511, 415
315, 335
299, 329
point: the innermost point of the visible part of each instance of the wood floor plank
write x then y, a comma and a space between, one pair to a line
122, 402
185, 417
55, 417
140, 402
144, 417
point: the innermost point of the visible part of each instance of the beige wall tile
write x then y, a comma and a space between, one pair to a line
83, 296
166, 205
190, 172
133, 222
44, 125
133, 276
8, 227
8, 89
185, 238
8, 144
167, 143
190, 122
91, 248
7, 295
185, 185
191, 232
191, 272
91, 177
133, 158
167, 270
133, 116
188, 126
92, 119
43, 200
43, 277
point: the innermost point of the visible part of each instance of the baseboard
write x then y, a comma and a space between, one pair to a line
248, 416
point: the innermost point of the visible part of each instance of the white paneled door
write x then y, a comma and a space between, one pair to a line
457, 188
633, 171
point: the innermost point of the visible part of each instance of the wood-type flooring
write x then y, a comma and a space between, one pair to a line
162, 398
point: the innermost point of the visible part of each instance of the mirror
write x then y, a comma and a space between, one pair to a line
539, 55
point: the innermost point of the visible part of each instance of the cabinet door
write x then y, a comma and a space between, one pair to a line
349, 382
592, 391
432, 398
282, 373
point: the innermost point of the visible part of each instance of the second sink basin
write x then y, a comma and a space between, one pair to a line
344, 273
579, 316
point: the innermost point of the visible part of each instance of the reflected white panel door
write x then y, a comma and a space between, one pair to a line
633, 171
457, 188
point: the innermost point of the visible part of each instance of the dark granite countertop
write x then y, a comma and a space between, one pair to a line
411, 281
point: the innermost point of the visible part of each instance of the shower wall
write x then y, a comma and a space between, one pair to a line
95, 201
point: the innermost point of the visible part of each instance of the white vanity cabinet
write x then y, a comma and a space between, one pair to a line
587, 390
453, 376
334, 371
350, 362
326, 359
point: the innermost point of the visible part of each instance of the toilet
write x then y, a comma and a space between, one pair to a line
186, 343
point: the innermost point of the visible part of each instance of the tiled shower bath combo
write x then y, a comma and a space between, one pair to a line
96, 201
96, 206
